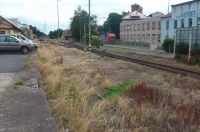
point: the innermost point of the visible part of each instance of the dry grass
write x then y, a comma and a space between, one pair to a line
72, 89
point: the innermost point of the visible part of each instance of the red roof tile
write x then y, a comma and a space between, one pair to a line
167, 15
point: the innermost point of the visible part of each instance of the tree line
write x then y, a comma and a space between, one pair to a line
80, 19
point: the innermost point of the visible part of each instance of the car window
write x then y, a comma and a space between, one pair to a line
10, 39
2, 39
18, 36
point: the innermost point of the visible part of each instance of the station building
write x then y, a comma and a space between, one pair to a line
184, 19
137, 27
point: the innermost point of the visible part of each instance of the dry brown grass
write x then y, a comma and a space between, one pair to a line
72, 88
106, 83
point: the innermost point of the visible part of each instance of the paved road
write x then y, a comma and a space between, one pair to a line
10, 63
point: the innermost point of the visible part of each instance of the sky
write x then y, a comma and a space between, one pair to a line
37, 12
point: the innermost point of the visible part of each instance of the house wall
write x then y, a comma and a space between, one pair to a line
178, 14
131, 31
9, 31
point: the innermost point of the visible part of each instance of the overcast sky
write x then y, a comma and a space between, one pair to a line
35, 12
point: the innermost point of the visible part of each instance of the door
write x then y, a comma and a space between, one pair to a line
4, 45
13, 45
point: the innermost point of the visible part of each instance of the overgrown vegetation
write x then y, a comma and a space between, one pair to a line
74, 89
115, 90
168, 45
18, 84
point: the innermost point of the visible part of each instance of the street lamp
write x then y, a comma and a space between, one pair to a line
168, 18
58, 18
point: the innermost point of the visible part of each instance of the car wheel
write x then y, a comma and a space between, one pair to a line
24, 50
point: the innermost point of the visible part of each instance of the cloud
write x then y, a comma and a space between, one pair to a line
35, 12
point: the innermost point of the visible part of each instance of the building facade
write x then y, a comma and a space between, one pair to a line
183, 16
136, 27
7, 27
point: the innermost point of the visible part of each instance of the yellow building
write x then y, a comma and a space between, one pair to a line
7, 27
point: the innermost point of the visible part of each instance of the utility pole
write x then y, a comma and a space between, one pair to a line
89, 46
80, 23
85, 37
45, 27
58, 19
168, 19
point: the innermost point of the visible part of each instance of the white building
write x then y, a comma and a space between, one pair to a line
184, 16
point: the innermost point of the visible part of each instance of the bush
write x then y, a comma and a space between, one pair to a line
97, 42
168, 42
182, 48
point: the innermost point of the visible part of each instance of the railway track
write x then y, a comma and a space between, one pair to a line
168, 68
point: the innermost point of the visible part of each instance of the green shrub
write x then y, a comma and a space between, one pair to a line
182, 48
97, 42
168, 42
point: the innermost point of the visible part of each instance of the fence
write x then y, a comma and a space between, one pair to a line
182, 35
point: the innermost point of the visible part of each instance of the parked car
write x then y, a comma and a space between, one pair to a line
22, 37
11, 43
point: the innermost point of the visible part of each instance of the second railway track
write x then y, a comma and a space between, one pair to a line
168, 68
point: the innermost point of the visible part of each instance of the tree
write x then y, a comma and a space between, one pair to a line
55, 33
112, 24
77, 23
36, 31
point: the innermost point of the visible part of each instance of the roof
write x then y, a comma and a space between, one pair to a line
3, 26
167, 15
135, 13
11, 23
184, 2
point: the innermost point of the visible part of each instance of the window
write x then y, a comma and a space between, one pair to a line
3, 39
190, 7
174, 9
143, 37
148, 38
1, 21
2, 32
167, 25
153, 25
190, 22
134, 37
127, 28
153, 38
199, 5
135, 26
139, 38
182, 8
148, 26
10, 39
158, 37
159, 23
130, 27
198, 21
175, 24
139, 27
131, 38
143, 26
182, 23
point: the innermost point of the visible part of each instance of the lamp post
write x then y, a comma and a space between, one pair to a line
168, 19
58, 19
80, 23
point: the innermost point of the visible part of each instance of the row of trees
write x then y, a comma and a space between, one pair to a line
36, 31
55, 33
111, 25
